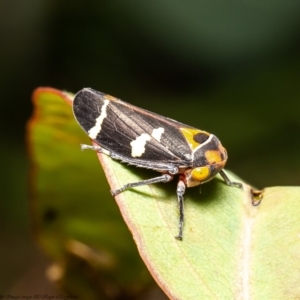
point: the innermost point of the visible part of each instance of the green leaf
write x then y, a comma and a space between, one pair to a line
230, 249
75, 218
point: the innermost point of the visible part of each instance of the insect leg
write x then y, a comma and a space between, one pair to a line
95, 148
228, 181
163, 178
180, 192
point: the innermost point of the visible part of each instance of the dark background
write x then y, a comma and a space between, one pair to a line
228, 67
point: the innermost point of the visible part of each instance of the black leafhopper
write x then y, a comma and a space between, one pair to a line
145, 139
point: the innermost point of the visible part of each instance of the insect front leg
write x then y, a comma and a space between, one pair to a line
228, 181
162, 178
180, 192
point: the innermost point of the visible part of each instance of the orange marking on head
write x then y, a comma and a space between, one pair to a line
213, 156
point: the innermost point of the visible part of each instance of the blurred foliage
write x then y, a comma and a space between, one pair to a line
75, 220
231, 68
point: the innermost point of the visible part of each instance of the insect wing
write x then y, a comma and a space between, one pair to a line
134, 135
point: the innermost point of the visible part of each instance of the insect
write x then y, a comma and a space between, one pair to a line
145, 139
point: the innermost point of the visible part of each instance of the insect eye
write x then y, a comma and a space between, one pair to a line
200, 137
201, 173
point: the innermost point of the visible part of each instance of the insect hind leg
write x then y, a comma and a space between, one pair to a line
162, 178
95, 148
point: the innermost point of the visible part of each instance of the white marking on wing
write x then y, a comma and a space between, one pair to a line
157, 133
94, 131
138, 145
